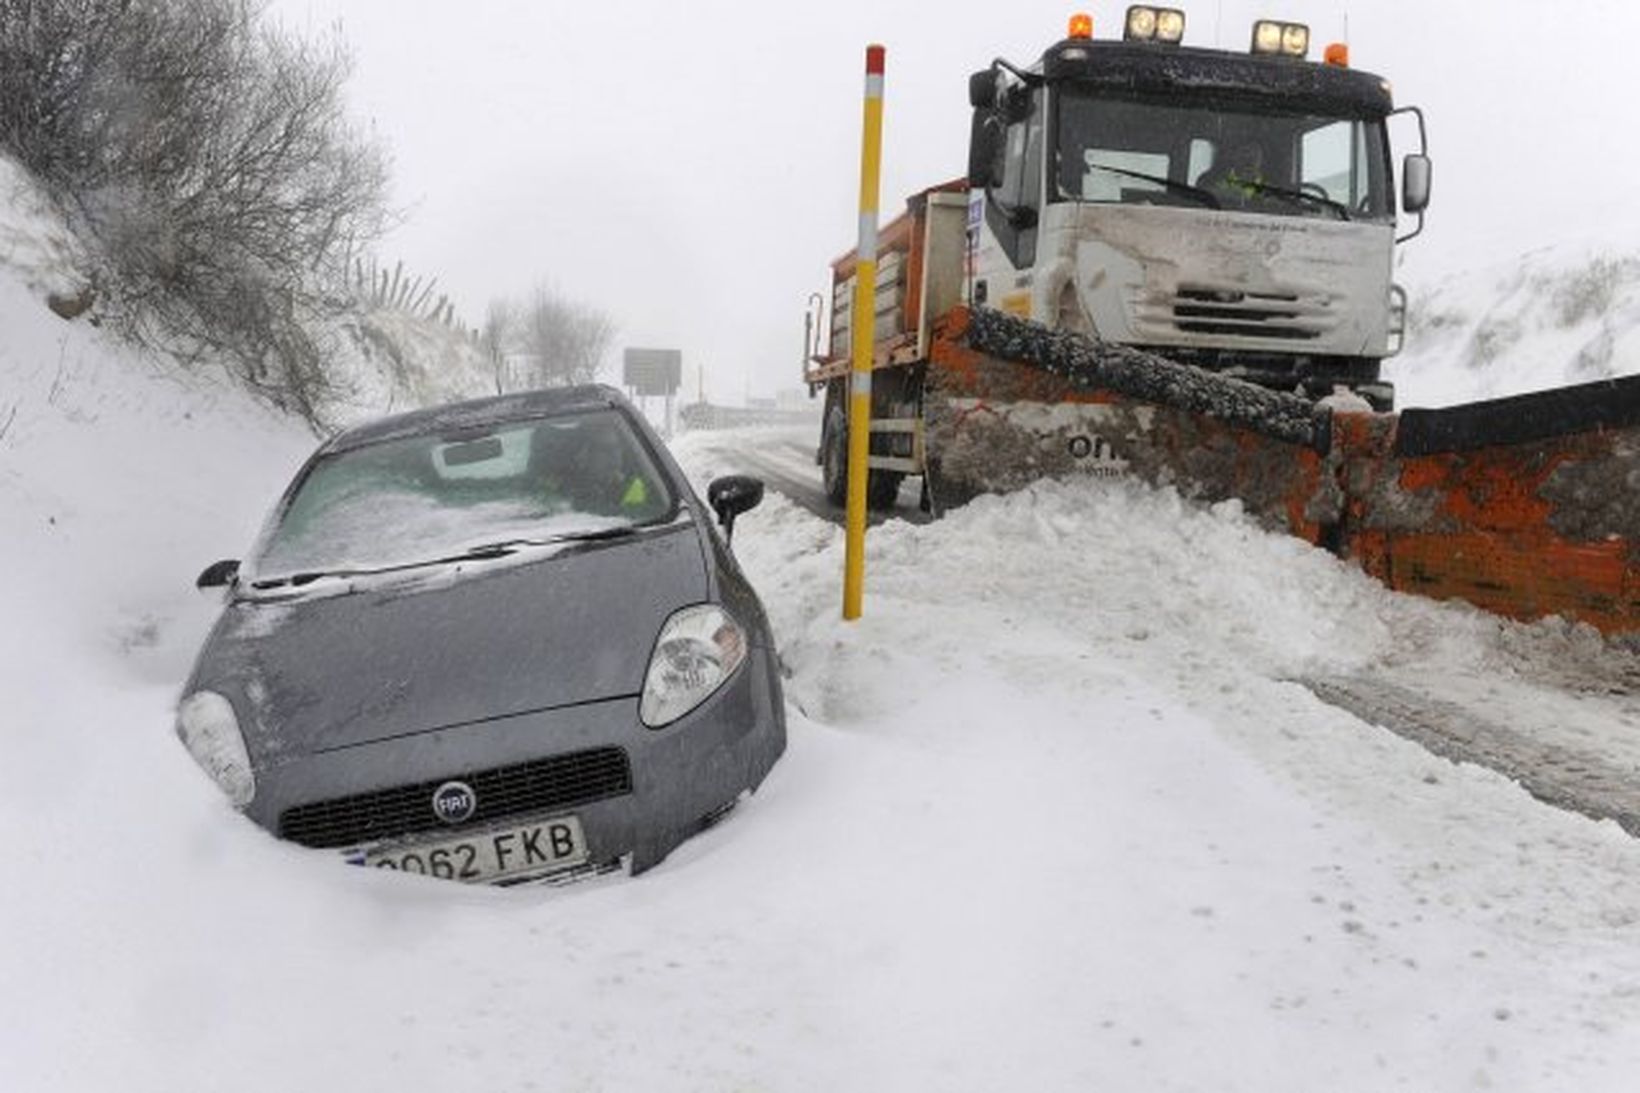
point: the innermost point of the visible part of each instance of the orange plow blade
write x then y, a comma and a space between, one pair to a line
1527, 507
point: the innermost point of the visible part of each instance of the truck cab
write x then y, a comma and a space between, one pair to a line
1232, 210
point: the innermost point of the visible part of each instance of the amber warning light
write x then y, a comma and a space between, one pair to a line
1081, 25
1338, 54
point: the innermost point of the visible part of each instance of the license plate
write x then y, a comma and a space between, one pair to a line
488, 855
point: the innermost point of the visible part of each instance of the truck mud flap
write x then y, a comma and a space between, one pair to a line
1527, 507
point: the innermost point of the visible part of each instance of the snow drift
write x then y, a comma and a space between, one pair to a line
1557, 315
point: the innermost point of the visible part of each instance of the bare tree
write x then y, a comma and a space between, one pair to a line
209, 155
565, 341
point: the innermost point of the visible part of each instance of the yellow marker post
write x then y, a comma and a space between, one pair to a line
865, 340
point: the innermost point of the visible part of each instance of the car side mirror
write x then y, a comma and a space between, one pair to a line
732, 495
218, 574
1415, 178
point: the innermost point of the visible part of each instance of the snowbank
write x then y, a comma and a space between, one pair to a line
1563, 314
389, 361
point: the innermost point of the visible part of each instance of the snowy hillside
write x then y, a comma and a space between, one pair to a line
379, 357
1054, 815
1568, 313
391, 361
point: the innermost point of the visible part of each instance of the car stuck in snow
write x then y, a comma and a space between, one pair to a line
492, 641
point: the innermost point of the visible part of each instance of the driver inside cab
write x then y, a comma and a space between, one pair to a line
1237, 173
593, 473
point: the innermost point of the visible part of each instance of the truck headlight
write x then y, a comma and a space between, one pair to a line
699, 648
1147, 24
1270, 36
1141, 23
210, 731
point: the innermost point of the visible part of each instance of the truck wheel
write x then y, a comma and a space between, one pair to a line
883, 489
834, 460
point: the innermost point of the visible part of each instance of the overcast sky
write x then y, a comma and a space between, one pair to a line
691, 167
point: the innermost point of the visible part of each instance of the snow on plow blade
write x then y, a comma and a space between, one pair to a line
1527, 506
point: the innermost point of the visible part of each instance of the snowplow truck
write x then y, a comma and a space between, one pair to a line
1175, 263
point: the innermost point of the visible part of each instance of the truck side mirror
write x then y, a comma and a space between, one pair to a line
982, 89
1415, 179
984, 149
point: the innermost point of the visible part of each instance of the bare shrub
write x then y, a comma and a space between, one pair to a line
208, 154
1588, 291
1493, 337
1427, 319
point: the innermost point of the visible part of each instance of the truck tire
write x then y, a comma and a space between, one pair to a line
882, 487
834, 460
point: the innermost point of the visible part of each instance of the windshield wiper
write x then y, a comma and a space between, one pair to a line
483, 552
619, 531
501, 548
1205, 197
1297, 196
297, 580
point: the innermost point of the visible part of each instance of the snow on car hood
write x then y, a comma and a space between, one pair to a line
394, 658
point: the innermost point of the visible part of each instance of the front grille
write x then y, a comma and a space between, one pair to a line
1226, 312
559, 781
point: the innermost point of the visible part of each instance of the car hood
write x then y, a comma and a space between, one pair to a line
441, 646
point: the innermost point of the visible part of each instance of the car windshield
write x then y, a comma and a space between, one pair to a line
1219, 154
419, 499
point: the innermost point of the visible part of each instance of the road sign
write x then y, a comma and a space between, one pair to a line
652, 371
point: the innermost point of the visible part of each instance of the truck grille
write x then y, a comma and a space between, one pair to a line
1232, 312
559, 781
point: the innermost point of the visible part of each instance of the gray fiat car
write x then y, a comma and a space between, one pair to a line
493, 641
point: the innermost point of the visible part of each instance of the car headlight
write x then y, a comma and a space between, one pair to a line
210, 731
698, 649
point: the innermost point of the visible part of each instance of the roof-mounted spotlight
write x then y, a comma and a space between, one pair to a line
1288, 39
1147, 24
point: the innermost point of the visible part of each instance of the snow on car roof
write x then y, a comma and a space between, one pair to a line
475, 413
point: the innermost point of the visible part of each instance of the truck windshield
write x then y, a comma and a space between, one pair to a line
1231, 155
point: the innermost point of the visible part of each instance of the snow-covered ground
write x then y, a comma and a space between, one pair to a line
1053, 815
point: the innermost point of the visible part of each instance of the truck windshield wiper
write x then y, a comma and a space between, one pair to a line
1297, 196
1205, 197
